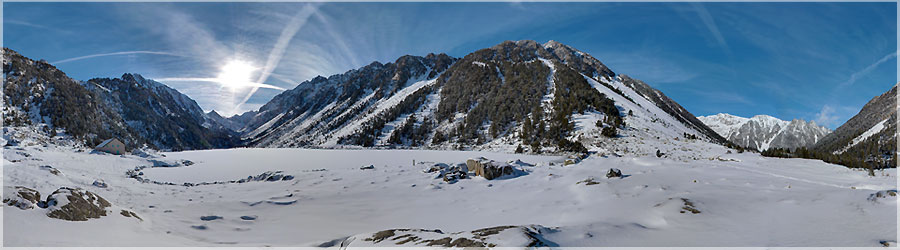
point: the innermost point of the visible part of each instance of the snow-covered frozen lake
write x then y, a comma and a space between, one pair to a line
740, 199
230, 164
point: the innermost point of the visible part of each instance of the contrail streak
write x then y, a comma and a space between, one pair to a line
287, 34
337, 38
115, 54
255, 85
857, 75
710, 24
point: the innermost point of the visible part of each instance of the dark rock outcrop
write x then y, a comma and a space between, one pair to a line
21, 197
489, 169
614, 173
74, 204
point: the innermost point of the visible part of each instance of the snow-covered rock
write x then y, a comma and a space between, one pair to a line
489, 169
531, 236
75, 204
21, 197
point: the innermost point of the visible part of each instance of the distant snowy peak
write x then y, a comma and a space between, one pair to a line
762, 132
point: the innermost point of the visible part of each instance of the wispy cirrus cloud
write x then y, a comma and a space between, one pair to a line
115, 54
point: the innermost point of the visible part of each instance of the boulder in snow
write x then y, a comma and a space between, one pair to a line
75, 204
100, 184
532, 236
455, 173
588, 182
884, 194
436, 167
130, 214
489, 169
50, 169
210, 217
614, 172
21, 197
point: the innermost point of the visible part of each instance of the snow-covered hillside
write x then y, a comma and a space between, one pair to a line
323, 110
697, 195
140, 112
762, 132
870, 135
478, 102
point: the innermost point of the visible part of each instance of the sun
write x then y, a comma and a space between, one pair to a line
236, 74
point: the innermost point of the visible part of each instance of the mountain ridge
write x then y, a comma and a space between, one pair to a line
138, 111
459, 106
762, 132
870, 135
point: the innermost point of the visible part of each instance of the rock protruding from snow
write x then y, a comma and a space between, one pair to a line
489, 169
21, 197
499, 236
100, 184
50, 169
130, 214
884, 194
614, 173
75, 204
455, 173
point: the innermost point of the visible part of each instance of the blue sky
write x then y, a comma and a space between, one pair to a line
812, 61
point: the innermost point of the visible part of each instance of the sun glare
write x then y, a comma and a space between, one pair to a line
235, 74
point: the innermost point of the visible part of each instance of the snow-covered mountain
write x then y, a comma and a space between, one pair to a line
138, 111
871, 135
517, 93
762, 132
323, 110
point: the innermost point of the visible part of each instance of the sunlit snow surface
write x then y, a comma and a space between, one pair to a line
743, 199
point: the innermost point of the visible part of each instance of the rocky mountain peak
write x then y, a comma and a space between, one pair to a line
762, 132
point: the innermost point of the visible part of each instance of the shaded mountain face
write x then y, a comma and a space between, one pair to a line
515, 93
234, 123
35, 93
318, 111
871, 135
136, 110
762, 132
